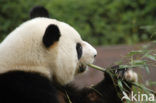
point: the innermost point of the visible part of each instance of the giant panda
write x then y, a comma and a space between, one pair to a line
40, 58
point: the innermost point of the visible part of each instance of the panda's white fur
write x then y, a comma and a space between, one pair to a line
23, 50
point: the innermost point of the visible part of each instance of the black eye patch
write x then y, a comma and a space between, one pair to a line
79, 50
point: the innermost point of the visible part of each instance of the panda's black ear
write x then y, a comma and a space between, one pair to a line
51, 35
39, 11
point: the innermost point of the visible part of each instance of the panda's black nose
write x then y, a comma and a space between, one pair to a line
94, 56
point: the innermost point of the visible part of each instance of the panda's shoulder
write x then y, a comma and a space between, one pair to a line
20, 86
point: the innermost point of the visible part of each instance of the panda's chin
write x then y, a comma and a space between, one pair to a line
82, 68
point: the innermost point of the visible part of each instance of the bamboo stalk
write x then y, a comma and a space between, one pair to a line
97, 67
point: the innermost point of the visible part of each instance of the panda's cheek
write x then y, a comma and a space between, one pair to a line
87, 59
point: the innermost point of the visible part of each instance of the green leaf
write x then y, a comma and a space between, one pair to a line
120, 85
125, 66
147, 68
132, 53
152, 83
138, 63
151, 57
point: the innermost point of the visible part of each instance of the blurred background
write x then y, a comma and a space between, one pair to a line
114, 27
100, 22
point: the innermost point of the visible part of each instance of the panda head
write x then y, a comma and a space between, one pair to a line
48, 46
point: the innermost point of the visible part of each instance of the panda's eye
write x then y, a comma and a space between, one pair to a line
79, 50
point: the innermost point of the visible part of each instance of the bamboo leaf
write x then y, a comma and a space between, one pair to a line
151, 57
135, 52
147, 68
120, 85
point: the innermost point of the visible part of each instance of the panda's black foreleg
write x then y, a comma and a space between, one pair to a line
106, 91
109, 87
103, 92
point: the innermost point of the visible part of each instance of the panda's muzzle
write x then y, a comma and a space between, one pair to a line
82, 68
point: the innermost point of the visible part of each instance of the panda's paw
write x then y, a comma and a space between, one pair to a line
126, 74
130, 75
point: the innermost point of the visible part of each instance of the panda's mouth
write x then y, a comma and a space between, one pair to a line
82, 68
